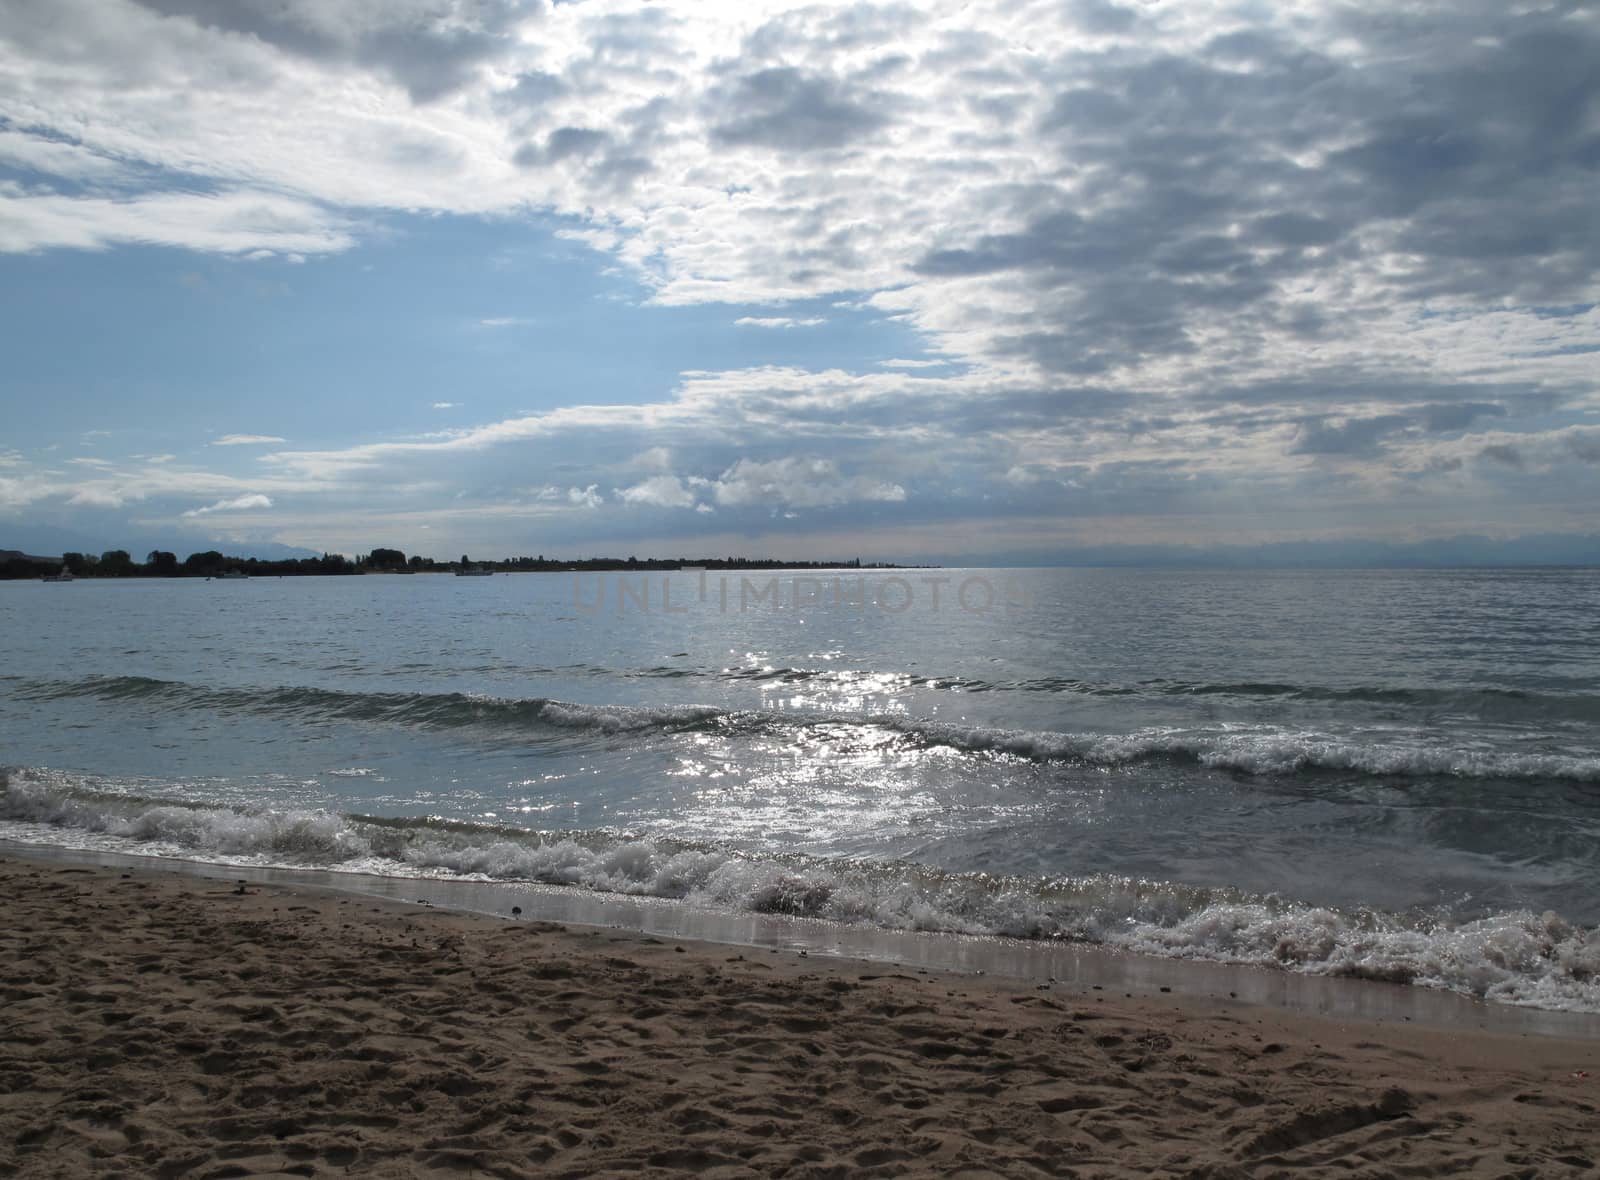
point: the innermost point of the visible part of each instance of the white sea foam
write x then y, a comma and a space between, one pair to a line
622, 718
1265, 750
307, 834
1516, 957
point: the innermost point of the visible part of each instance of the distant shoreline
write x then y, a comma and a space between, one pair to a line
117, 564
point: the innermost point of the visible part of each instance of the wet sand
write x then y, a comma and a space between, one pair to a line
162, 1024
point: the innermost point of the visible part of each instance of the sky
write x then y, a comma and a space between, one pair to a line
1002, 281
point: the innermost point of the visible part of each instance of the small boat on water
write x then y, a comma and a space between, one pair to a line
64, 576
473, 572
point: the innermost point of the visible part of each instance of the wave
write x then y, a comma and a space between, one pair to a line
1516, 957
1267, 750
448, 710
1483, 703
1422, 705
1254, 749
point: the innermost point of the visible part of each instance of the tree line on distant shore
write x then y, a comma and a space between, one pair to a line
118, 563
159, 563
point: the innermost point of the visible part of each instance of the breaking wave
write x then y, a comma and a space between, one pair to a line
1516, 957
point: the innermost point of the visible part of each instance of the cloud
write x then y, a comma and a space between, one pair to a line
561, 144
1087, 190
1186, 257
798, 483
789, 109
55, 157
237, 504
16, 494
659, 491
779, 321
653, 459
431, 47
1504, 454
245, 440
1585, 445
236, 221
1450, 416
97, 497
577, 497
1353, 436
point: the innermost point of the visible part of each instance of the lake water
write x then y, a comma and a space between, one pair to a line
1392, 775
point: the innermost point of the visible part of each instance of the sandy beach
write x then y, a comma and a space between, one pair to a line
158, 1024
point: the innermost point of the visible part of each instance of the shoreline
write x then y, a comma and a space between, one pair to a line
1024, 961
162, 1021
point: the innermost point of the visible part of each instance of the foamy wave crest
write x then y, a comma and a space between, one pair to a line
1264, 750
1534, 960
1519, 957
624, 718
1268, 751
179, 828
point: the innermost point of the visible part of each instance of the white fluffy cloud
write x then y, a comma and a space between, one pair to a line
237, 504
780, 321
659, 491
246, 222
799, 483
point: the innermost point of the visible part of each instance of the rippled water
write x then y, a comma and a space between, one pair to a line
1393, 774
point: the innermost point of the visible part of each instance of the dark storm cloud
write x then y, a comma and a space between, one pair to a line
791, 110
430, 50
